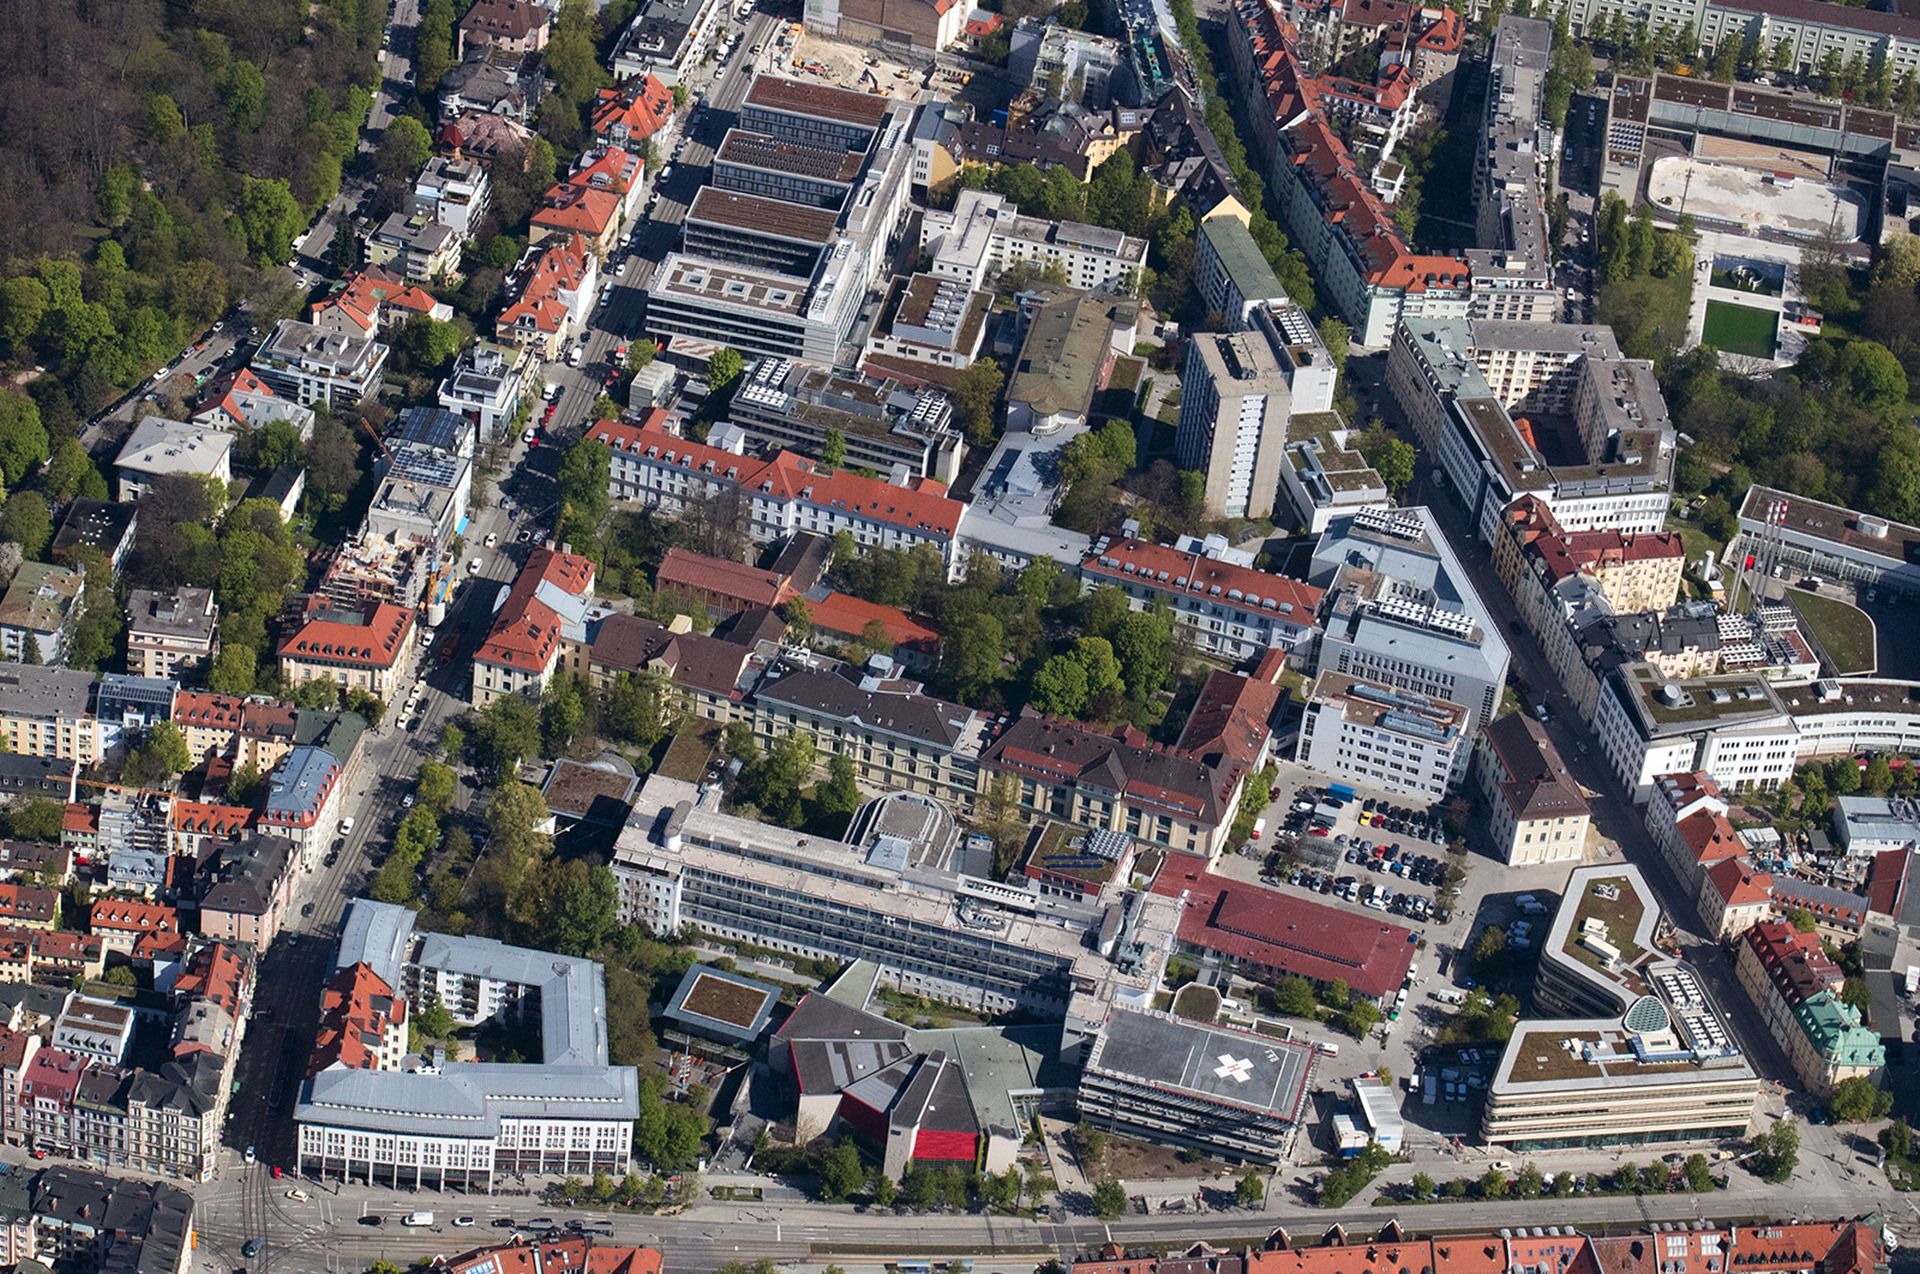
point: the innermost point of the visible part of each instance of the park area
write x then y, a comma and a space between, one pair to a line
1741, 329
1844, 631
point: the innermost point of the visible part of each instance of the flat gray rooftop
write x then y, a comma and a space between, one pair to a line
1267, 1076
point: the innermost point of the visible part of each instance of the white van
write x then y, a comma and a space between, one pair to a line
417, 1219
1327, 1047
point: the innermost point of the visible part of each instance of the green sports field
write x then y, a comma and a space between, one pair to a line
1740, 329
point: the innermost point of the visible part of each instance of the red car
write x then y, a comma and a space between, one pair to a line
39, 1154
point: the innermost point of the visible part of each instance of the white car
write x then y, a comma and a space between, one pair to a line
346, 825
473, 567
298, 1195
493, 540
528, 438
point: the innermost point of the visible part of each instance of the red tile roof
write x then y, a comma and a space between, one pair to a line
378, 642
356, 1008
701, 574
561, 267
122, 916
845, 615
208, 710
1230, 721
368, 292
27, 904
559, 1256
1284, 933
1739, 884
216, 974
201, 818
1172, 571
590, 199
526, 631
1709, 837
81, 820
642, 107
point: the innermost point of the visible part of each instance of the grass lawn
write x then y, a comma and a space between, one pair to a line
1740, 329
1844, 630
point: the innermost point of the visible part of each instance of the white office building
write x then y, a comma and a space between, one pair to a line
1386, 738
984, 234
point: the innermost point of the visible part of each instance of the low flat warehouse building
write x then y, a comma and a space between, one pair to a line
1643, 1054
1222, 1092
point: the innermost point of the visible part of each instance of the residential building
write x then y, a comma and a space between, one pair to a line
309, 364
167, 632
718, 586
1536, 812
1392, 739
99, 1030
463, 1124
1513, 267
1400, 611
595, 202
1232, 275
1733, 728
1215, 1090
485, 386
557, 284
984, 235
176, 1114
38, 612
667, 37
629, 114
368, 649
878, 421
1607, 1072
247, 893
1797, 990
1229, 609
454, 192
516, 26
371, 301
887, 630
953, 936
420, 249
120, 923
240, 401
546, 607
303, 795
159, 447
1634, 572
48, 712
17, 1049
782, 496
87, 1221
1734, 896
493, 81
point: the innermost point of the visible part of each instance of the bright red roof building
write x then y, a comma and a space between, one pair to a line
526, 632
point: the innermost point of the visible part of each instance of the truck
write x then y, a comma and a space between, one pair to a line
1341, 792
1259, 828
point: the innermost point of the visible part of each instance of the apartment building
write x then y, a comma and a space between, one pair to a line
368, 649
667, 38
240, 400
312, 365
1392, 739
984, 235
371, 301
159, 447
1536, 811
1230, 272
1228, 609
1635, 571
38, 611
48, 712
556, 285
546, 607
1510, 174
1641, 1054
247, 893
454, 192
464, 1125
304, 794
415, 246
1797, 990
1401, 612
170, 631
485, 386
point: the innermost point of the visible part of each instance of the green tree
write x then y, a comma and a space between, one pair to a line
1531, 1181
1293, 997
1776, 1151
1858, 1100
839, 796
1250, 1189
433, 1021
1421, 1186
833, 448
506, 732
167, 747
976, 395
1060, 687
1109, 1200
23, 440
26, 521
586, 908
641, 353
1873, 375
1388, 456
1699, 1174
841, 1173
430, 342
724, 368
268, 218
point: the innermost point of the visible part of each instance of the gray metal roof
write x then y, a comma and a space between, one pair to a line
1230, 1067
573, 1002
468, 1099
378, 935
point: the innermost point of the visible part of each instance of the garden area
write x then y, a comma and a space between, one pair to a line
1741, 329
1844, 630
1762, 278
